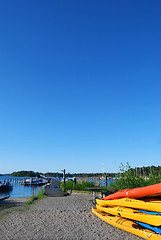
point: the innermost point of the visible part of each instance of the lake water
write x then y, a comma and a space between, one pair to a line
18, 189
26, 191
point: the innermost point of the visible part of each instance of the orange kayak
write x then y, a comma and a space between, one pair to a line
148, 191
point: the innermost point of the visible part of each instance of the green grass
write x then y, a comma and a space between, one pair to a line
79, 186
39, 196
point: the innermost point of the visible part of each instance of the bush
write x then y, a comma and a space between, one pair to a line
69, 185
79, 186
82, 186
129, 179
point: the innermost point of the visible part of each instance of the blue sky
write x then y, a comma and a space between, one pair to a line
80, 85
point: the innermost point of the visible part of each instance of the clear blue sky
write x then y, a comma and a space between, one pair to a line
80, 85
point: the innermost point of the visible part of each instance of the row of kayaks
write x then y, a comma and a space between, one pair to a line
140, 217
127, 225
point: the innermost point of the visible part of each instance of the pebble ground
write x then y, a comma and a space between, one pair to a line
63, 218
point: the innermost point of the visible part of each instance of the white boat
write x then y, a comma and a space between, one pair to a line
35, 182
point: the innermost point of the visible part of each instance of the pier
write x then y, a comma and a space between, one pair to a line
14, 181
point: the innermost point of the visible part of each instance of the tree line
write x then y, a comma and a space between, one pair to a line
142, 171
147, 171
58, 174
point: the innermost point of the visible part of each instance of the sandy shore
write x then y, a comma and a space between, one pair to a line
66, 218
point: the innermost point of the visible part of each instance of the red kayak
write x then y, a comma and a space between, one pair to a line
148, 191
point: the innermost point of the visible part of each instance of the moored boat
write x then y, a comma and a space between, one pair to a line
3, 198
5, 187
35, 182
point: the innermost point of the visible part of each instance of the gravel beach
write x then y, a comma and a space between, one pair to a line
66, 218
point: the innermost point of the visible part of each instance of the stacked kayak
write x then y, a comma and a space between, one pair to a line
148, 191
127, 225
154, 206
140, 217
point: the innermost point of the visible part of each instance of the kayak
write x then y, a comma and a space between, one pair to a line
148, 191
155, 229
132, 214
133, 203
127, 225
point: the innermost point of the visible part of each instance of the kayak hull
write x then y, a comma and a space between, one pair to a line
127, 225
134, 203
148, 191
132, 214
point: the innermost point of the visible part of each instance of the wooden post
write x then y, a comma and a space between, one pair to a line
74, 183
64, 179
94, 197
32, 194
106, 179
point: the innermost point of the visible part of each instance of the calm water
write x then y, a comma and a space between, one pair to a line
26, 191
18, 189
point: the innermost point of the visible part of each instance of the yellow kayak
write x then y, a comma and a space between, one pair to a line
132, 214
132, 203
127, 225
